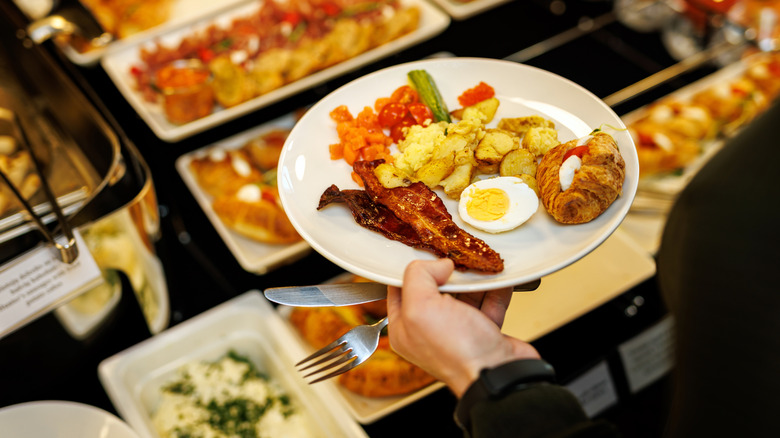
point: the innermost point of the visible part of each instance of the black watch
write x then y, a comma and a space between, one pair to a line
494, 383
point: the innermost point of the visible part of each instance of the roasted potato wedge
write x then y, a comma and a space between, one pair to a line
458, 180
390, 176
434, 171
453, 144
517, 162
488, 168
540, 140
487, 108
231, 85
494, 145
520, 125
530, 181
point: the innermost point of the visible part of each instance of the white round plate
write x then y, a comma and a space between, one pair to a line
61, 419
537, 248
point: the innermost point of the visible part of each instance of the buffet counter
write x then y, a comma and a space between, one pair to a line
583, 318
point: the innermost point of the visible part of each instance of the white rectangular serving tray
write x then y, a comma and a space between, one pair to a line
117, 64
253, 256
247, 324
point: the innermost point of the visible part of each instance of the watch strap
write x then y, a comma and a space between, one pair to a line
494, 383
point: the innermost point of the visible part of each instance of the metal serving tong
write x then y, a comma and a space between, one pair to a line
68, 251
69, 17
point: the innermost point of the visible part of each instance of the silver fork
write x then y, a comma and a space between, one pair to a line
345, 353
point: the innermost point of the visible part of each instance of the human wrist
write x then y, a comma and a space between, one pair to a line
496, 382
470, 371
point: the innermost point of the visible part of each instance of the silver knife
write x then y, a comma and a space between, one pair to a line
346, 294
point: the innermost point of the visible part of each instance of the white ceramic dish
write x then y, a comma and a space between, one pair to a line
539, 247
256, 257
61, 419
117, 64
365, 410
246, 324
464, 10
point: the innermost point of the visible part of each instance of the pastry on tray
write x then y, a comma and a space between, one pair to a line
385, 373
255, 211
668, 137
732, 103
674, 132
580, 179
241, 183
222, 172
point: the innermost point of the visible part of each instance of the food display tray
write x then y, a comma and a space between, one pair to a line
117, 63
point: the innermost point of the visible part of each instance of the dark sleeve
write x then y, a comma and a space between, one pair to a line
543, 410
717, 268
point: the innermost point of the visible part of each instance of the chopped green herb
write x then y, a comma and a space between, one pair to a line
298, 31
182, 387
351, 11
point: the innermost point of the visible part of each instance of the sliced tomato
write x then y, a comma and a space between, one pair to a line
330, 9
268, 195
391, 114
292, 17
420, 112
405, 95
136, 71
774, 67
578, 151
205, 54
397, 130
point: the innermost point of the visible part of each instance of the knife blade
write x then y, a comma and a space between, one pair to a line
343, 294
324, 295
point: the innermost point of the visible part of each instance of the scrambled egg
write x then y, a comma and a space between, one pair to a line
417, 147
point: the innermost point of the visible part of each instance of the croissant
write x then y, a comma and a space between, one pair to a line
596, 184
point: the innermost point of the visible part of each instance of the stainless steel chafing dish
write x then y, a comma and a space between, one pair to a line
101, 184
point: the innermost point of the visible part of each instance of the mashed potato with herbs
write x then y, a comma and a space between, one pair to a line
227, 398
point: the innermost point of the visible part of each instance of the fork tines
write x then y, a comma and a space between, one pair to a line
336, 355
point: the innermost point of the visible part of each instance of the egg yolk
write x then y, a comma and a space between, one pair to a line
488, 205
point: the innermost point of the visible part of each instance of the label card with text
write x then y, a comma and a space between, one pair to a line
33, 283
649, 355
595, 389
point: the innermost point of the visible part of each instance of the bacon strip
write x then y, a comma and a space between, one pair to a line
374, 216
421, 208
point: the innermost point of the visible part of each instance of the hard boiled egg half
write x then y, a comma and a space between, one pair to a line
497, 204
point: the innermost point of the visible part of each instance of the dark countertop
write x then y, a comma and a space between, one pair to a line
41, 361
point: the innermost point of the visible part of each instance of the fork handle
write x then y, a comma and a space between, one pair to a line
382, 323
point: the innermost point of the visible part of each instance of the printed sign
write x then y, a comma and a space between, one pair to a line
594, 389
648, 356
35, 282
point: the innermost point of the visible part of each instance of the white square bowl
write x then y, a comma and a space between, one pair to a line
246, 324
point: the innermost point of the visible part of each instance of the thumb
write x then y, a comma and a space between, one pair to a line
423, 277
